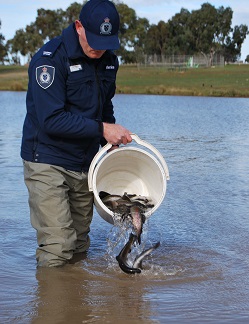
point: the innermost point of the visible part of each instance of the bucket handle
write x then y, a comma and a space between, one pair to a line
108, 146
155, 151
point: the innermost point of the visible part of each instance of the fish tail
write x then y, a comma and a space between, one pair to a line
139, 259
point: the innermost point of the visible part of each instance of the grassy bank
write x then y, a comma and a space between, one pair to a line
13, 78
228, 81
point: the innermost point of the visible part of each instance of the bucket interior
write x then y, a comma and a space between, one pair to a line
130, 170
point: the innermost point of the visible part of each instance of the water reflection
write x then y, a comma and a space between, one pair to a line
79, 296
93, 291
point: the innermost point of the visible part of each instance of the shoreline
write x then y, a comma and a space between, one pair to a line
231, 81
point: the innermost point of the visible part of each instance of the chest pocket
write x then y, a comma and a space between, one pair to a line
81, 87
108, 79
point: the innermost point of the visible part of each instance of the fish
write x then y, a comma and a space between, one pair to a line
138, 219
105, 197
139, 259
137, 264
117, 201
128, 206
139, 200
123, 256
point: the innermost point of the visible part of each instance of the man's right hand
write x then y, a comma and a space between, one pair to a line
116, 134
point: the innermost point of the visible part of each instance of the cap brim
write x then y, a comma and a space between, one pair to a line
98, 42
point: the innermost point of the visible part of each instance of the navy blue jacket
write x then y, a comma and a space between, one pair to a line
68, 97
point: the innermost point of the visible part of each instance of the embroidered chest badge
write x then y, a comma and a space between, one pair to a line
45, 75
106, 27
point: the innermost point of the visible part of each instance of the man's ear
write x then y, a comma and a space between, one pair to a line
79, 27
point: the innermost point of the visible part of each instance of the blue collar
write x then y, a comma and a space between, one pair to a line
71, 40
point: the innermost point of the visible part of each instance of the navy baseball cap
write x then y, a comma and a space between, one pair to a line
101, 22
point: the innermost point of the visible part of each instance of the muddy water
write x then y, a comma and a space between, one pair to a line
199, 274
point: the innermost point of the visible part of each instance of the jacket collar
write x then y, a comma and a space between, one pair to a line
71, 41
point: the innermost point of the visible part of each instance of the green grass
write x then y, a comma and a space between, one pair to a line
228, 81
13, 78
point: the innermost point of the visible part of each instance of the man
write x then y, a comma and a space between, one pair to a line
69, 114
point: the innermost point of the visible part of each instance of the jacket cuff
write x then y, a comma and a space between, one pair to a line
101, 128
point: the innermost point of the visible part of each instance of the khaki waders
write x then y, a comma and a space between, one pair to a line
61, 210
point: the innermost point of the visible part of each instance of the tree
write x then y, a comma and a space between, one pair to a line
180, 36
139, 38
48, 24
205, 25
3, 48
25, 42
206, 30
127, 23
72, 12
233, 43
158, 38
132, 34
224, 20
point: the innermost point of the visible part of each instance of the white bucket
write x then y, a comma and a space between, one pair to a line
128, 169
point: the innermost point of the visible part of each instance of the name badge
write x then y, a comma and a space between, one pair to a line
74, 68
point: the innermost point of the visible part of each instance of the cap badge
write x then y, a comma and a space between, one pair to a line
106, 27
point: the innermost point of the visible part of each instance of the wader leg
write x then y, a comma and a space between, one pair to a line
50, 211
81, 207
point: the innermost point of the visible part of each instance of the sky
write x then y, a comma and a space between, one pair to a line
16, 14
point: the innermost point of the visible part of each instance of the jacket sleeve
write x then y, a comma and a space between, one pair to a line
49, 101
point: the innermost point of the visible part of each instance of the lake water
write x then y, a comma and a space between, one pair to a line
199, 274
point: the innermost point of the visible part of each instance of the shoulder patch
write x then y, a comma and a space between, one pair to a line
45, 75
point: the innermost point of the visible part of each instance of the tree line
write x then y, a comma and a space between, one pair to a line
203, 31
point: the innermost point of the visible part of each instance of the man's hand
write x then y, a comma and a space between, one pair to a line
116, 134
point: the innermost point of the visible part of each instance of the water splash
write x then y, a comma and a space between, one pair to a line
118, 237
